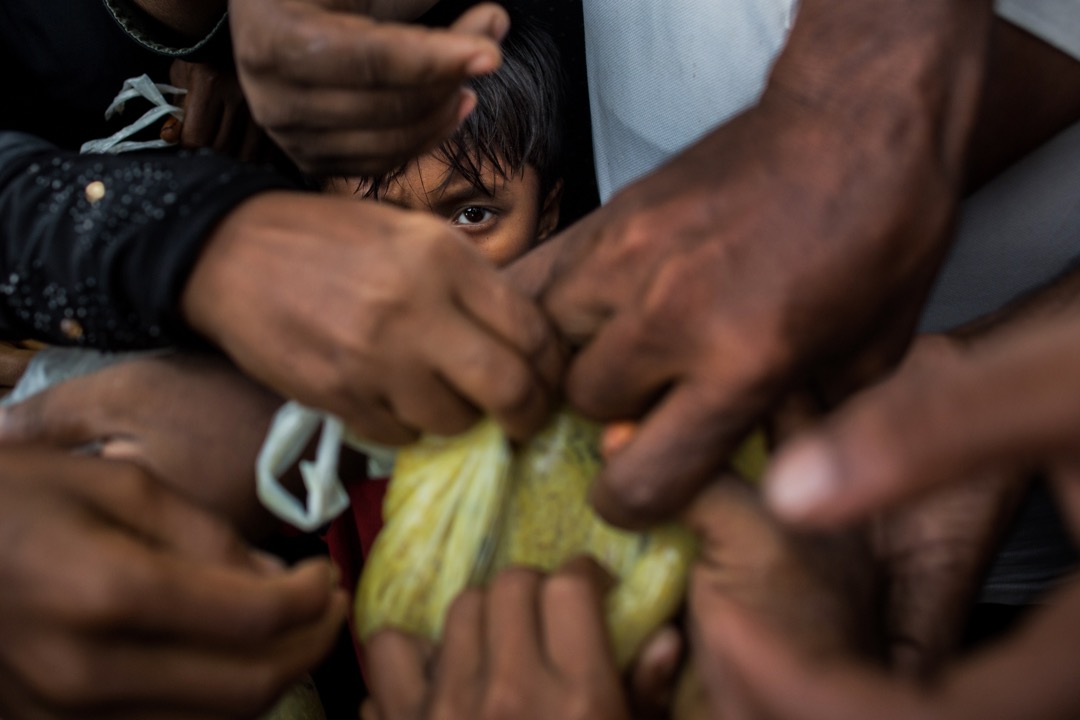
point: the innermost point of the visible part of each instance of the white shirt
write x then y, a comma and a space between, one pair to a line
662, 73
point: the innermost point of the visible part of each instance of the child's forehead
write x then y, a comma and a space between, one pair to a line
435, 176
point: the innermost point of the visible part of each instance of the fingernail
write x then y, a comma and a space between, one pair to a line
483, 64
468, 104
801, 481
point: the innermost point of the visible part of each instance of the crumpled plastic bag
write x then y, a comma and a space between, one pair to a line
460, 509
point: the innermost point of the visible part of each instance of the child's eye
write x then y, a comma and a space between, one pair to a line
473, 215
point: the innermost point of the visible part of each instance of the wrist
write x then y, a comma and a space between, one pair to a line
908, 70
214, 275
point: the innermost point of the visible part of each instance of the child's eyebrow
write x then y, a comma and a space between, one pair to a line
459, 190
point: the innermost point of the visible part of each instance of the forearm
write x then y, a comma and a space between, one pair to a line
1032, 94
907, 72
95, 249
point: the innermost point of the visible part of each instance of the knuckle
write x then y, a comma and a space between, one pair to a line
110, 598
512, 389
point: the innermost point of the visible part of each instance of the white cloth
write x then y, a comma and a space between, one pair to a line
1055, 21
663, 73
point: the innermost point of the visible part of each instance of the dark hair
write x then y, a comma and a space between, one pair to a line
517, 121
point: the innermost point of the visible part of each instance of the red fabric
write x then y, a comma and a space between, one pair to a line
350, 537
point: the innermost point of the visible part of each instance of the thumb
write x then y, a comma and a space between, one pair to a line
57, 416
486, 20
655, 470
948, 413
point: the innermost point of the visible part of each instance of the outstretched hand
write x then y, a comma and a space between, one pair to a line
389, 319
530, 646
799, 236
121, 599
952, 412
195, 422
344, 93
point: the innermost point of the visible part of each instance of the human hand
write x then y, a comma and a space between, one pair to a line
728, 274
123, 600
343, 93
529, 646
934, 553
801, 235
216, 115
954, 411
1028, 676
386, 318
194, 422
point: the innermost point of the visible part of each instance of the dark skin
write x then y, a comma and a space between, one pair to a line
727, 283
1000, 402
194, 422
387, 318
344, 92
932, 555
534, 646
124, 600
215, 114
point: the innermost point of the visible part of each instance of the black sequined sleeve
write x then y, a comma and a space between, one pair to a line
95, 250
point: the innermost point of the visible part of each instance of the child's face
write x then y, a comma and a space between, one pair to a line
503, 226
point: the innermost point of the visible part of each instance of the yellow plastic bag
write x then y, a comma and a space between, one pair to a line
460, 509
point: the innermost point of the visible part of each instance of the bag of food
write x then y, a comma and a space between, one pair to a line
460, 509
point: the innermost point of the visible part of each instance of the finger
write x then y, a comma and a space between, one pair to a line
130, 497
369, 710
427, 403
513, 629
237, 680
374, 420
490, 374
577, 304
222, 605
331, 108
654, 675
395, 663
59, 416
575, 630
463, 656
346, 50
1023, 676
946, 415
605, 389
737, 656
533, 271
203, 117
679, 445
373, 152
515, 319
485, 20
